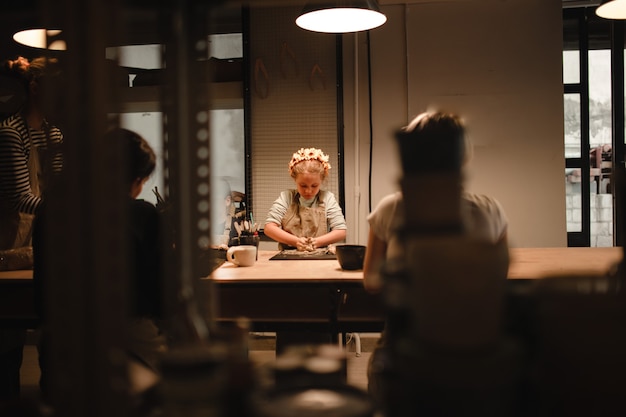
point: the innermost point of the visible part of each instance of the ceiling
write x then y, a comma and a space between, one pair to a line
140, 18
580, 3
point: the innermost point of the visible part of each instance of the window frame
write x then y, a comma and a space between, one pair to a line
595, 33
583, 237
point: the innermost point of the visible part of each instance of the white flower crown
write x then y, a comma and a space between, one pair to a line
309, 154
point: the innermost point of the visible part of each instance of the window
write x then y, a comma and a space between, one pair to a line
588, 128
227, 115
295, 93
228, 175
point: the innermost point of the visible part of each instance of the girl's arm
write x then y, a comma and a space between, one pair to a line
274, 217
331, 237
275, 232
336, 221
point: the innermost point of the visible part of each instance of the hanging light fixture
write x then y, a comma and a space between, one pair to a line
612, 9
341, 16
41, 38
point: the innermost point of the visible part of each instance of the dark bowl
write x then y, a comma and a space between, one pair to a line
350, 256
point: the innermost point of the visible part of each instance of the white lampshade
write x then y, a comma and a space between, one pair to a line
38, 38
612, 9
341, 16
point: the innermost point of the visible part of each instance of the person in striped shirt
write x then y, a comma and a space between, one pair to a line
29, 153
29, 150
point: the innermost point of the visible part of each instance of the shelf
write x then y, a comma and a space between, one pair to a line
227, 95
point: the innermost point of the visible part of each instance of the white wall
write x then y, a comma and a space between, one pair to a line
499, 65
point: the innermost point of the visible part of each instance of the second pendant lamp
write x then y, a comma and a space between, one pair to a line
341, 16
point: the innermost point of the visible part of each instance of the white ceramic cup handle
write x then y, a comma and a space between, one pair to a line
230, 255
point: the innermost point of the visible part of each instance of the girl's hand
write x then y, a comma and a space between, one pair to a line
301, 243
305, 244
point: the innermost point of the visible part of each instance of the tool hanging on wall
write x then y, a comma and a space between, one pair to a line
261, 79
317, 77
288, 60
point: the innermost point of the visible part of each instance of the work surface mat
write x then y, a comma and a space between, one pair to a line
292, 254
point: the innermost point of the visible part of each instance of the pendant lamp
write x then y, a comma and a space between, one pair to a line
612, 9
341, 16
41, 38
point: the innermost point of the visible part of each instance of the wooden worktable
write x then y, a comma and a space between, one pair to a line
288, 271
525, 263
283, 292
533, 263
276, 293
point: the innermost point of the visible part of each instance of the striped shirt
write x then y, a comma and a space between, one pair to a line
16, 142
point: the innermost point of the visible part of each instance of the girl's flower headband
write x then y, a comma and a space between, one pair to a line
309, 154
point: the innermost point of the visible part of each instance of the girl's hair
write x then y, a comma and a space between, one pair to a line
141, 159
309, 160
311, 167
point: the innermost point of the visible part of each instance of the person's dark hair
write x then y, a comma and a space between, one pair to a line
17, 75
141, 158
434, 141
43, 68
26, 71
17, 69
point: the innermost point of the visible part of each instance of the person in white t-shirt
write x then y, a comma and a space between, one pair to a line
483, 219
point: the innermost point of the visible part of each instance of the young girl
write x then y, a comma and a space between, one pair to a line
306, 218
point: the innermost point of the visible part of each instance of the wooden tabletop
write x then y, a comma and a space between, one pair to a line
526, 263
532, 263
275, 294
24, 275
325, 270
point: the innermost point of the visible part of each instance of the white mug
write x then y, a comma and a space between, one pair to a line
243, 255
